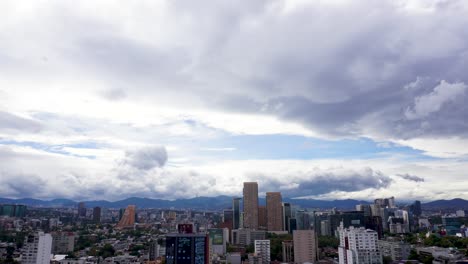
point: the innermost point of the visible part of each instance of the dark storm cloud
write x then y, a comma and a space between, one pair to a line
349, 78
146, 158
409, 177
10, 122
318, 182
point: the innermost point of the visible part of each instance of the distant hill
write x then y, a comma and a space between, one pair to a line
456, 203
201, 203
217, 203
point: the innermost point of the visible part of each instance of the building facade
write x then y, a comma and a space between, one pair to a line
274, 211
305, 246
358, 246
37, 249
250, 205
262, 251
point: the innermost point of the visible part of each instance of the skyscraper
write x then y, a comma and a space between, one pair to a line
262, 217
287, 213
251, 205
305, 246
128, 218
81, 209
274, 211
97, 214
236, 213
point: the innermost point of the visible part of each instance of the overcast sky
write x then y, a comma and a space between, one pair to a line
327, 99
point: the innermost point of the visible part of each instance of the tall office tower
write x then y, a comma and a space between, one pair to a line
128, 218
302, 220
366, 208
262, 251
251, 205
81, 209
305, 246
417, 208
385, 202
187, 249
227, 215
288, 253
287, 214
236, 213
358, 246
262, 217
97, 214
37, 249
274, 211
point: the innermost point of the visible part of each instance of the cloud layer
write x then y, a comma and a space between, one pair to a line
113, 88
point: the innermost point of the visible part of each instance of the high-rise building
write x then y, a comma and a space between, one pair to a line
97, 214
236, 213
37, 249
358, 246
302, 220
305, 246
81, 209
287, 214
274, 211
187, 249
13, 210
288, 253
128, 218
364, 208
63, 242
262, 251
262, 217
385, 202
417, 208
250, 205
227, 215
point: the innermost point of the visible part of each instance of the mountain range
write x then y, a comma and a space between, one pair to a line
215, 203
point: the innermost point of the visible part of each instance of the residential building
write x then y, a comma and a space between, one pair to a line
397, 250
262, 251
63, 242
358, 246
305, 246
37, 249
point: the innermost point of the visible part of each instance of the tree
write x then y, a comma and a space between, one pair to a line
387, 260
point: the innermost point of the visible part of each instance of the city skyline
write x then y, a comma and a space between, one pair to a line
172, 99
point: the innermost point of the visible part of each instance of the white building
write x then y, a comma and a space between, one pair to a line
262, 251
358, 246
37, 249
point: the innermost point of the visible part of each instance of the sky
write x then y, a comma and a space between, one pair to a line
323, 99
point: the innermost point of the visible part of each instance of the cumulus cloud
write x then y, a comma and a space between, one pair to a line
409, 177
443, 93
322, 181
146, 158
